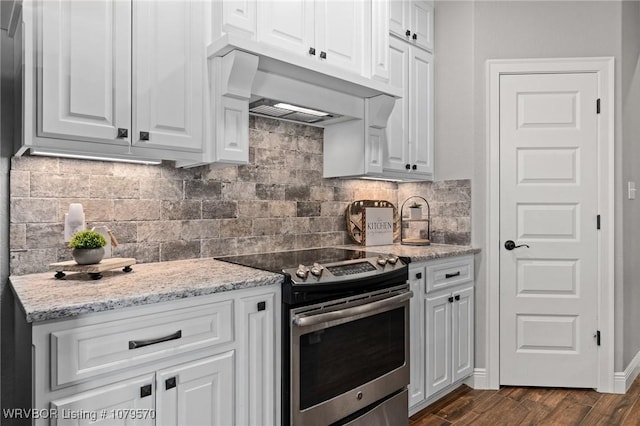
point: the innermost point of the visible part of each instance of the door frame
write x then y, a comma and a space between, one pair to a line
603, 67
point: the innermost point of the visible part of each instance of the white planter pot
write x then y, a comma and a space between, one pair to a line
415, 213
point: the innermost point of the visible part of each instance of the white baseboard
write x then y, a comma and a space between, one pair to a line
622, 380
478, 380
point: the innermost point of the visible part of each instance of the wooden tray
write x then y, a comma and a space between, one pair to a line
95, 270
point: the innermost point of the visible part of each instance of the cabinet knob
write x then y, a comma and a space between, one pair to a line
145, 391
144, 136
170, 383
312, 51
407, 33
450, 299
419, 275
122, 133
323, 55
415, 36
407, 166
414, 167
262, 306
457, 297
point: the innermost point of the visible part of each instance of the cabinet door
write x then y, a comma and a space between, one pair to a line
379, 40
116, 404
416, 330
397, 149
462, 333
197, 393
421, 111
339, 33
422, 24
438, 342
238, 16
84, 67
399, 17
257, 364
169, 69
287, 24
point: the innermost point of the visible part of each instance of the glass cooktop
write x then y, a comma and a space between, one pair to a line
277, 261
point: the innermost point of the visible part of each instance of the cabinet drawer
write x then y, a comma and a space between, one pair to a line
448, 273
83, 352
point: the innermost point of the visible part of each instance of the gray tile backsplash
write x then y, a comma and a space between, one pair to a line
158, 213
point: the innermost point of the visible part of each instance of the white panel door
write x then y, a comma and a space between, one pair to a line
548, 200
84, 69
169, 69
339, 33
239, 16
287, 24
438, 356
197, 393
111, 405
421, 111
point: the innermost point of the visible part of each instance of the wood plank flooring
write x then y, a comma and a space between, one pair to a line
533, 406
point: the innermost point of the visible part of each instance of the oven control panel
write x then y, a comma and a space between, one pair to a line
344, 270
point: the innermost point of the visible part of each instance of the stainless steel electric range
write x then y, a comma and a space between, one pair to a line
345, 335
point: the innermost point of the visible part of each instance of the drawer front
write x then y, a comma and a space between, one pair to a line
84, 352
448, 273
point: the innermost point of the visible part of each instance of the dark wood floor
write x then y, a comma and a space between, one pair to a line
533, 406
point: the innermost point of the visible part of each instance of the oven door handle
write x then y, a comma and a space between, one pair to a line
306, 321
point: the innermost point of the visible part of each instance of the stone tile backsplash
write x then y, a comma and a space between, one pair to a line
158, 213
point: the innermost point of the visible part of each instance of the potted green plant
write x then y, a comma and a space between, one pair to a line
415, 211
87, 247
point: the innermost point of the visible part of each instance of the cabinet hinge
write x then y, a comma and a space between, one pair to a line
598, 106
598, 222
597, 336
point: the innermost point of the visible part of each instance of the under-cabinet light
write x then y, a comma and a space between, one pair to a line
301, 109
94, 158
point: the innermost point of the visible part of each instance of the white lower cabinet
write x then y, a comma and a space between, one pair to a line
442, 327
197, 393
114, 404
208, 360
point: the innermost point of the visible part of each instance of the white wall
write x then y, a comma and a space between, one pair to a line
536, 29
628, 330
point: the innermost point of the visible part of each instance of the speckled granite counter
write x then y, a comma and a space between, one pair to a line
421, 253
44, 298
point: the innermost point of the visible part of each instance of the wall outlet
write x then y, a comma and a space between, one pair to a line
631, 188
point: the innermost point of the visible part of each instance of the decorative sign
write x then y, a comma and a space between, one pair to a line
378, 226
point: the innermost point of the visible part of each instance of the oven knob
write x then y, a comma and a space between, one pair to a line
392, 260
317, 269
382, 260
302, 272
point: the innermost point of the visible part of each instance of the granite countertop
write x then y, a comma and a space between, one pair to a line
42, 297
422, 253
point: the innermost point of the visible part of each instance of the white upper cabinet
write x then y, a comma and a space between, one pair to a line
168, 82
84, 68
409, 148
287, 24
113, 79
331, 31
234, 16
412, 20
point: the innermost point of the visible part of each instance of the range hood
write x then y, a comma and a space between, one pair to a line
276, 83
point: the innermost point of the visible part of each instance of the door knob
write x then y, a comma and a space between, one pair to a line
510, 245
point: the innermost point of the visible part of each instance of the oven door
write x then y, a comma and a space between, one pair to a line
348, 354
